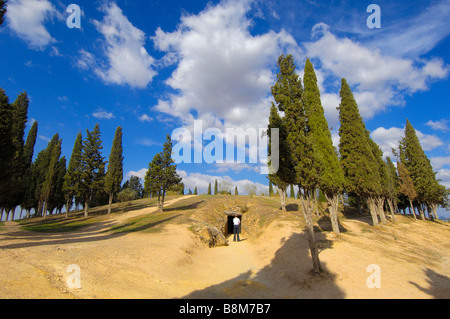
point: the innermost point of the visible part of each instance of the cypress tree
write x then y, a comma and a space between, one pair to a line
216, 188
330, 178
392, 187
114, 174
48, 186
2, 11
236, 191
92, 172
162, 174
270, 188
357, 159
6, 147
195, 191
154, 177
27, 200
73, 173
292, 192
209, 189
406, 185
419, 166
57, 200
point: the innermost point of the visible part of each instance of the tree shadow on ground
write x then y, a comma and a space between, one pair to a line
188, 206
439, 285
88, 234
324, 223
289, 275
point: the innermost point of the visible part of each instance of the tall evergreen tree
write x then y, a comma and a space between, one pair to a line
392, 187
48, 186
297, 159
216, 188
92, 168
2, 11
209, 189
16, 168
73, 173
195, 191
419, 166
406, 184
114, 174
330, 178
236, 191
270, 188
57, 200
357, 159
6, 147
162, 174
27, 200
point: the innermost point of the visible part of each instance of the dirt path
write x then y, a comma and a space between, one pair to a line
173, 263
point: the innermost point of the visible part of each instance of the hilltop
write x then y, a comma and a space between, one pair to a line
137, 252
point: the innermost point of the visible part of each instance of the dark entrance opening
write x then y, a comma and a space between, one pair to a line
230, 226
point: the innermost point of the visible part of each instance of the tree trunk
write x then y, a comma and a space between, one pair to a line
379, 201
44, 210
110, 203
434, 209
308, 213
373, 210
422, 214
391, 209
333, 202
86, 207
67, 208
412, 209
282, 193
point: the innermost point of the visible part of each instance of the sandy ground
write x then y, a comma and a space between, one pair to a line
413, 259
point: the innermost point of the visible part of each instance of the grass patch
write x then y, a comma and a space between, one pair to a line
57, 225
151, 223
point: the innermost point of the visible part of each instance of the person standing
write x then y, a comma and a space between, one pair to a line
236, 228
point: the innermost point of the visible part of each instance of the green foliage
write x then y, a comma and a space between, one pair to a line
419, 167
209, 189
73, 173
357, 160
114, 174
161, 174
216, 188
2, 11
329, 177
92, 168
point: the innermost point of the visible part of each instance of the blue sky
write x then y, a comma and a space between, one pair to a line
154, 66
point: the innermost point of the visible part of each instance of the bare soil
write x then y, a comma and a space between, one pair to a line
164, 257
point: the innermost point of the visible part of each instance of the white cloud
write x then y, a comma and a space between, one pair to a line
140, 173
416, 35
439, 162
27, 18
128, 60
201, 181
147, 142
379, 81
145, 118
440, 125
390, 138
85, 61
224, 72
104, 115
444, 176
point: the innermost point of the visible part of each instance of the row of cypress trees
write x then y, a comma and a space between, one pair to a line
308, 159
47, 184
